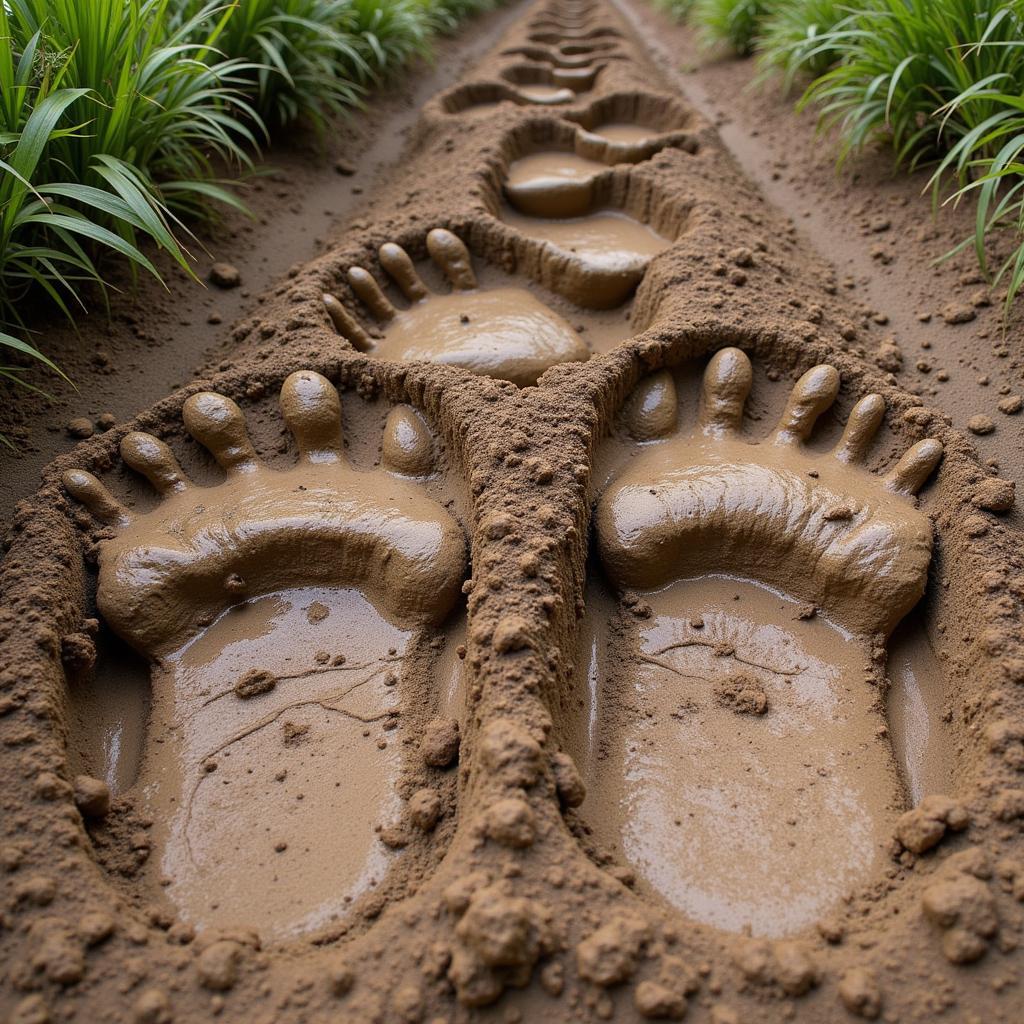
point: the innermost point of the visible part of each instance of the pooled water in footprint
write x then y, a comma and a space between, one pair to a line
544, 93
266, 732
609, 240
622, 132
747, 771
541, 170
499, 332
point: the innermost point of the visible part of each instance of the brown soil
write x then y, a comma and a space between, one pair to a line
401, 671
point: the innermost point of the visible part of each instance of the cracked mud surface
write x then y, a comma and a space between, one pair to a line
547, 614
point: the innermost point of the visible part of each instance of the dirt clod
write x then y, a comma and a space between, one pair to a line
743, 693
860, 994
920, 829
218, 965
424, 809
439, 745
512, 823
609, 956
225, 275
958, 313
994, 495
658, 1002
568, 782
92, 796
80, 427
254, 682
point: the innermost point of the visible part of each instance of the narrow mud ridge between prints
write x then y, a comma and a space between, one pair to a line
547, 616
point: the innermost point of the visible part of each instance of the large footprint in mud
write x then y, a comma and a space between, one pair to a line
285, 614
747, 772
499, 332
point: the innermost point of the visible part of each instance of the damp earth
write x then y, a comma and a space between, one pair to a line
547, 610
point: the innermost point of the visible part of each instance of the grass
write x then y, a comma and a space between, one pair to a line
940, 83
734, 23
118, 116
795, 38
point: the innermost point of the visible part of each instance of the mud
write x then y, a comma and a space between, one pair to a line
654, 655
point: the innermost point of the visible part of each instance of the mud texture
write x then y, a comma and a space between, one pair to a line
648, 653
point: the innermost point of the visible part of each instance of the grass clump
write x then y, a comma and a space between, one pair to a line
108, 123
900, 61
796, 37
732, 23
116, 117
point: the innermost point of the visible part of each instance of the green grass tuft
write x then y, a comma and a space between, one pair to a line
795, 36
730, 23
115, 116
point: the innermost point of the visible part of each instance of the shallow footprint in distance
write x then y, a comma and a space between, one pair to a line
498, 332
286, 615
747, 772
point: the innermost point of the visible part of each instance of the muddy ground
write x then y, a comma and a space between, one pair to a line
560, 596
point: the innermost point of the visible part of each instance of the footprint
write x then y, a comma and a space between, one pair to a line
285, 615
747, 772
602, 255
499, 332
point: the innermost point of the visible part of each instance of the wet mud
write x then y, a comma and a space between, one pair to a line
547, 613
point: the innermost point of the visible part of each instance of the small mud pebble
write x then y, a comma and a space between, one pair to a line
958, 313
60, 957
344, 168
225, 275
457, 895
511, 822
994, 495
568, 782
859, 993
439, 745
889, 358
394, 837
254, 682
152, 1007
745, 694
92, 797
340, 979
1008, 804
609, 956
80, 428
980, 424
500, 938
424, 809
1011, 405
218, 965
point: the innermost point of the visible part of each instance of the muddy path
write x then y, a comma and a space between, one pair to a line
548, 609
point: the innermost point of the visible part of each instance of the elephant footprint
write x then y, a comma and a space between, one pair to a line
279, 610
498, 332
747, 768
